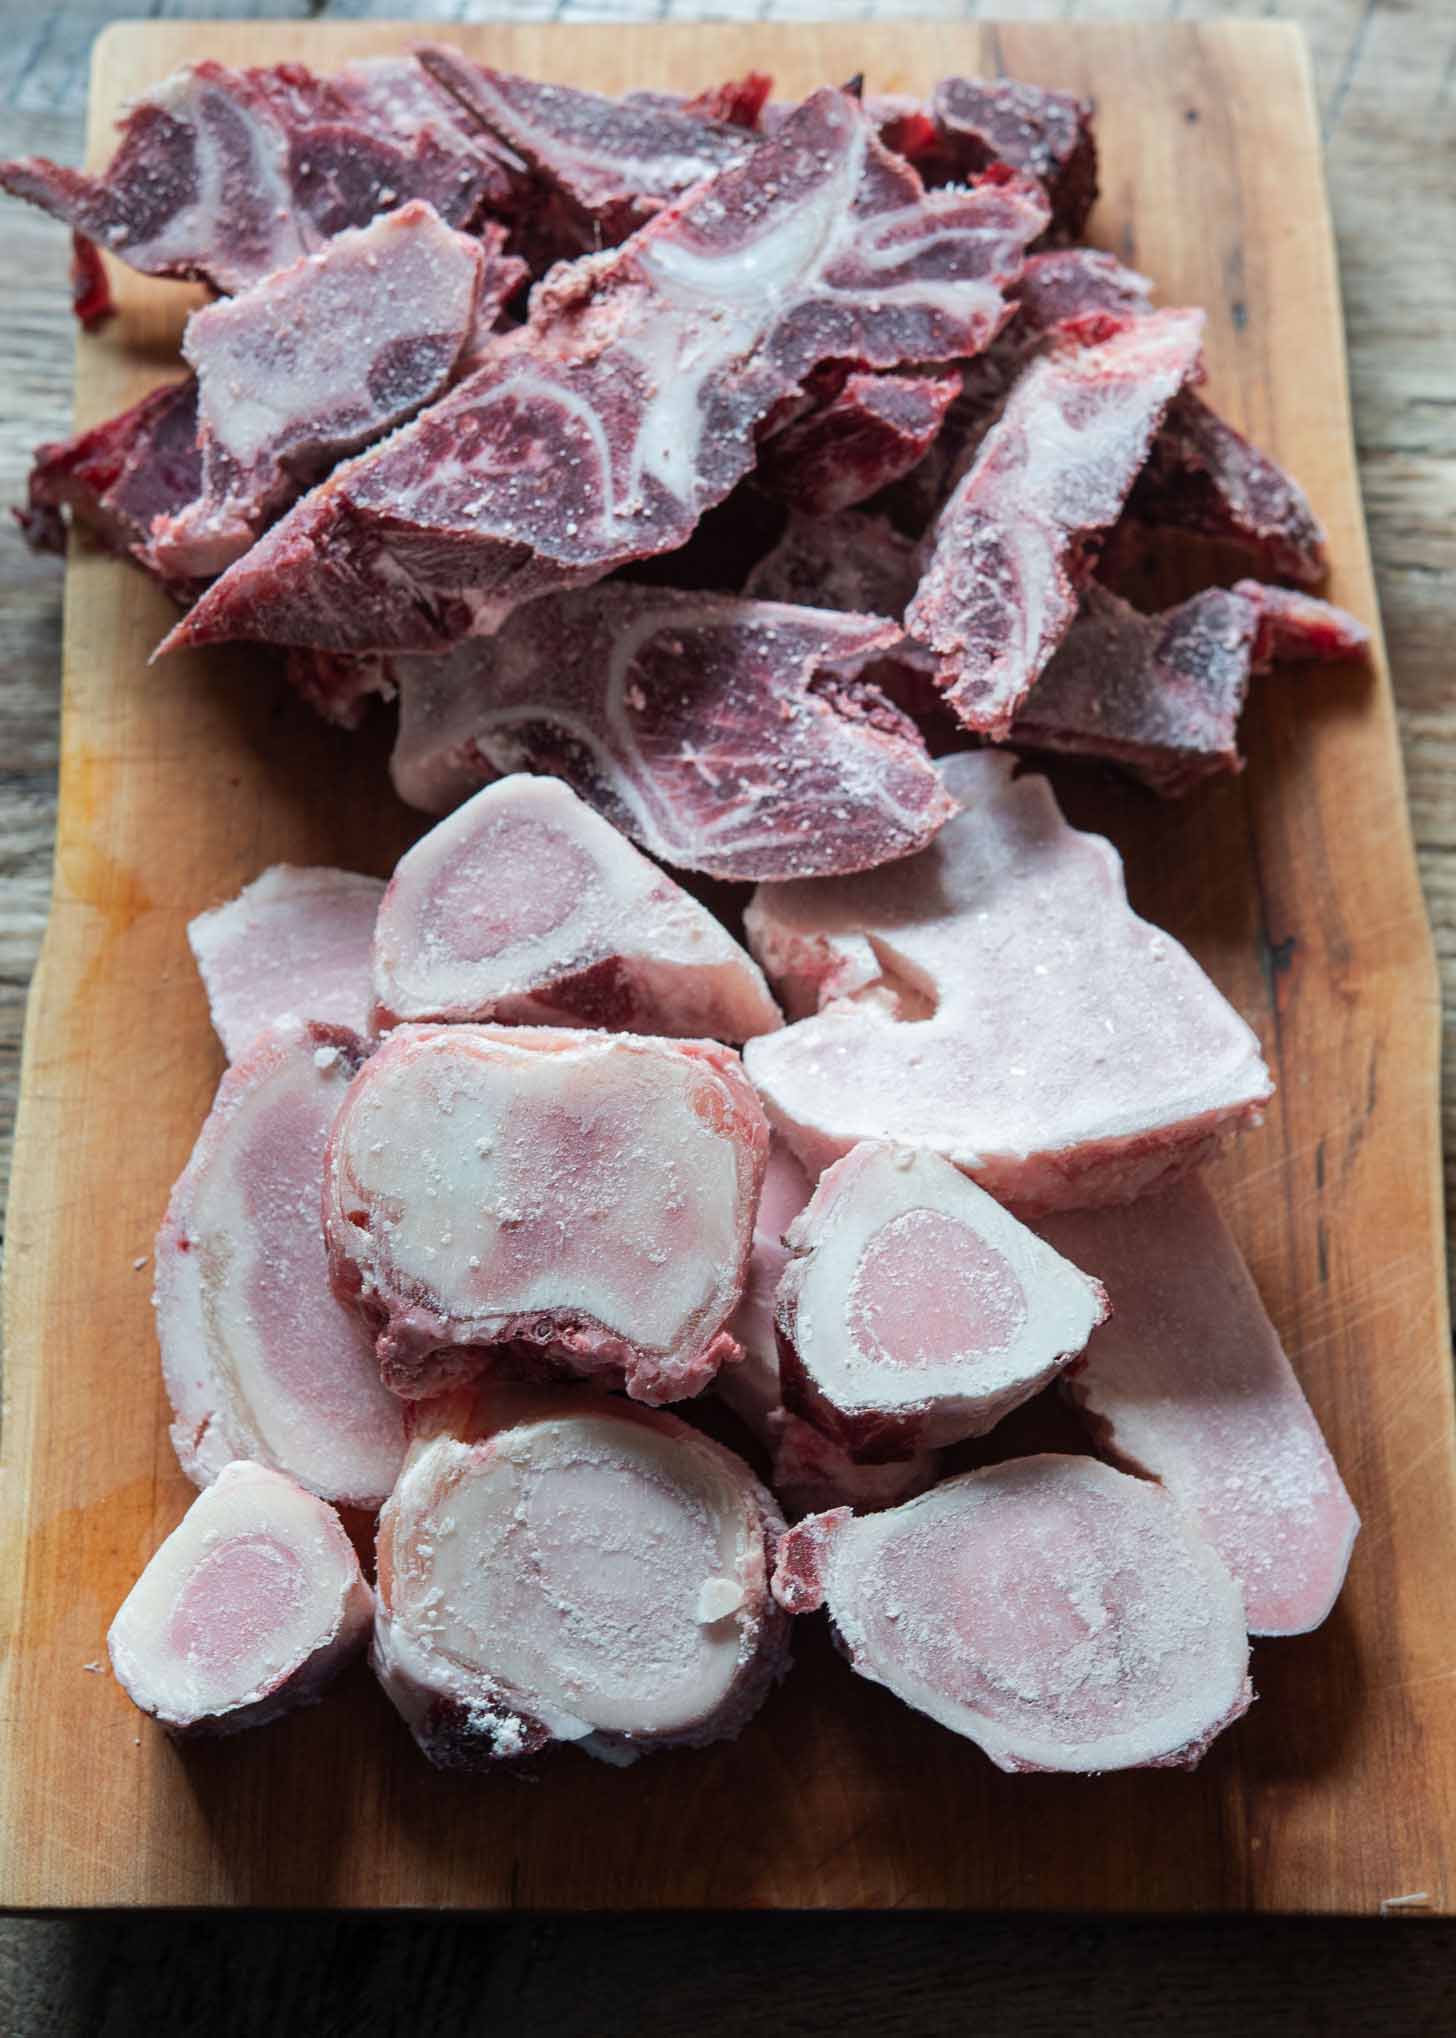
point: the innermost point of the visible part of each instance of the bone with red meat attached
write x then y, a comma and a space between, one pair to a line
600, 431
260, 1358
870, 433
971, 123
556, 1566
915, 1311
1058, 1613
526, 907
1188, 1384
225, 176
1018, 539
809, 1470
997, 1001
727, 736
295, 940
564, 1201
251, 1607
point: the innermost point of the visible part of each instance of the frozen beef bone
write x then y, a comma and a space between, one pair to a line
567, 1201
971, 123
1018, 538
295, 940
600, 431
119, 477
316, 361
557, 1566
225, 176
1189, 1384
526, 907
739, 101
614, 162
91, 297
997, 1001
1161, 695
915, 1311
261, 1359
733, 737
251, 1607
1057, 1613
852, 562
810, 1471
869, 434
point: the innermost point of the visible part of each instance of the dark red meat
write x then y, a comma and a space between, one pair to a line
873, 431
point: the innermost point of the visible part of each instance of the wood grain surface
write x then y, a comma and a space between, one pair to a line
182, 769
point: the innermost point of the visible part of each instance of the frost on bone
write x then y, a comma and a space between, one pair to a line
915, 1311
728, 736
1019, 536
810, 1471
1189, 1383
261, 1359
556, 1566
866, 436
560, 1201
526, 907
295, 940
600, 431
1060, 1614
996, 1000
249, 1608
316, 361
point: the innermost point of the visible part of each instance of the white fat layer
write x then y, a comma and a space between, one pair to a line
1188, 1380
256, 1583
1058, 1613
1002, 1311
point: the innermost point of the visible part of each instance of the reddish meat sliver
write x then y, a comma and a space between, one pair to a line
249, 1608
557, 1566
1060, 1614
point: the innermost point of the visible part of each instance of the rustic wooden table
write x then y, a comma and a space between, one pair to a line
1386, 75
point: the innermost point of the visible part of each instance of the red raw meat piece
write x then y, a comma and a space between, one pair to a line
971, 123
599, 432
726, 736
868, 435
556, 1566
338, 687
251, 1606
91, 298
294, 940
997, 1001
526, 907
740, 101
809, 1471
1059, 1614
1019, 537
226, 175
915, 1311
120, 476
1161, 695
576, 1201
261, 1359
614, 162
316, 361
1188, 1384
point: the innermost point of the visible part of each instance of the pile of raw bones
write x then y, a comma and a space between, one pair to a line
743, 483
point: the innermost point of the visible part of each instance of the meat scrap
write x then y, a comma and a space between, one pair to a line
1188, 1384
260, 1358
732, 737
527, 908
600, 431
1059, 1614
295, 940
555, 1566
915, 1311
223, 176
91, 297
559, 1200
997, 1001
251, 1606
1161, 695
318, 360
810, 1471
1018, 538
873, 431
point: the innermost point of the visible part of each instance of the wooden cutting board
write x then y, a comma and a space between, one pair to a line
1296, 887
